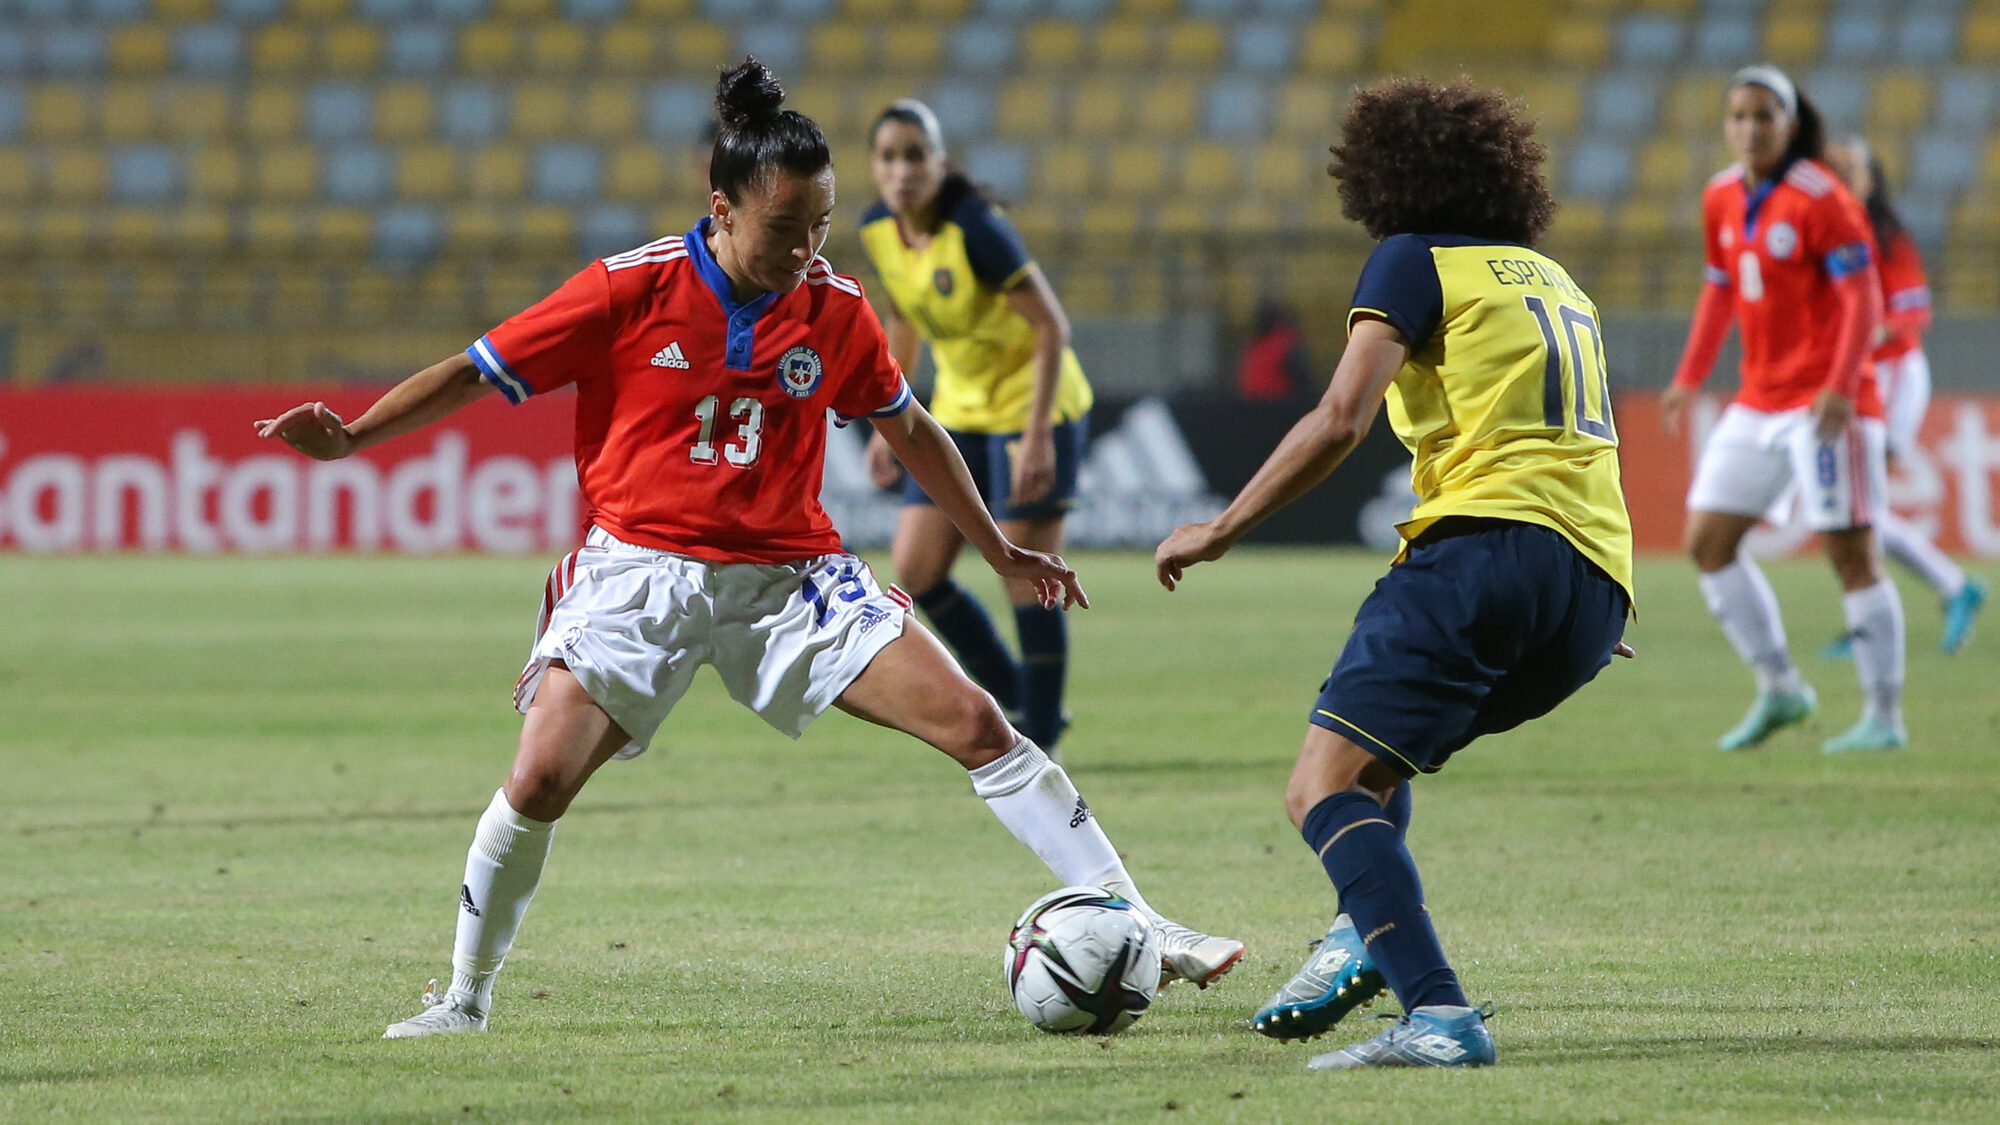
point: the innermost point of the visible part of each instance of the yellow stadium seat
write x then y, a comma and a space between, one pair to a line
343, 231
840, 47
1677, 7
319, 11
1154, 10
527, 11
141, 49
300, 297
1280, 171
130, 111
1579, 220
202, 230
558, 48
1209, 170
1308, 108
1893, 150
1192, 45
499, 172
1063, 172
1027, 109
78, 175
1167, 108
947, 10
610, 111
1109, 219
871, 11
474, 231
426, 173
637, 173
138, 230
442, 291
63, 231
271, 113
913, 46
351, 48
197, 110
268, 230
822, 99
157, 293
229, 295
505, 291
541, 111
1052, 45
1554, 103
1039, 222
699, 49
1792, 37
20, 290
1642, 219
404, 111
17, 176
1980, 41
1695, 104
184, 11
1125, 44
1332, 47
628, 47
1097, 108
60, 111
281, 48
548, 229
84, 296
1136, 170
1181, 217
287, 173
487, 47
1901, 103
662, 9
215, 174
1579, 43
370, 294
1666, 168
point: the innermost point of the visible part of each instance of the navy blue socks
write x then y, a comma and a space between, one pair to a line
962, 622
1044, 668
1360, 843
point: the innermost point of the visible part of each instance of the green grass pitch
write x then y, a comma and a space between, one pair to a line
238, 793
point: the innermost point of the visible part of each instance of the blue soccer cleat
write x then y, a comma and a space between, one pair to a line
1770, 712
1425, 1037
1839, 648
1338, 978
1959, 613
1870, 735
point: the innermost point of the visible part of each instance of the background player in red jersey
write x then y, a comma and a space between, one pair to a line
704, 368
1790, 260
1904, 374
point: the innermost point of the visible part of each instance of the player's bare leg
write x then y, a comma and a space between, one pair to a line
564, 739
914, 686
1875, 628
926, 546
1044, 637
1740, 598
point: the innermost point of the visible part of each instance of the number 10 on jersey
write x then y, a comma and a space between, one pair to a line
1577, 365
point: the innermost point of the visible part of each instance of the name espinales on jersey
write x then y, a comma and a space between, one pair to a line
1503, 401
952, 290
1779, 247
700, 419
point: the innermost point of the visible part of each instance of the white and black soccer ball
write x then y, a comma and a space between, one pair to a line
1083, 961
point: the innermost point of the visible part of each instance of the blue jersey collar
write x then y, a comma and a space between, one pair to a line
743, 316
1756, 195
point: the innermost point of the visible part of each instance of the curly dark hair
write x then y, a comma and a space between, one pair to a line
1415, 157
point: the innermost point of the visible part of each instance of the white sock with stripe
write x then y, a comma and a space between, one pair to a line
1904, 543
1035, 799
1743, 604
502, 870
1875, 621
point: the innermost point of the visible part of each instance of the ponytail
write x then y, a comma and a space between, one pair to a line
1809, 137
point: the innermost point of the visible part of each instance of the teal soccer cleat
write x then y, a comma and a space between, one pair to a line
1839, 648
1959, 613
1425, 1037
1870, 735
1335, 980
1769, 713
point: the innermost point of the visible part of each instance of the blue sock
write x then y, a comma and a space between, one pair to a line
1397, 811
1362, 850
962, 622
1044, 667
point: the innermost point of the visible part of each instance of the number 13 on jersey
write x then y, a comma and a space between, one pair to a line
1577, 363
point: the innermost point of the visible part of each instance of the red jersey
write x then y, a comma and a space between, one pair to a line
1779, 248
701, 420
1906, 297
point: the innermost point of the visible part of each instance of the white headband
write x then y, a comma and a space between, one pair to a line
1772, 79
926, 120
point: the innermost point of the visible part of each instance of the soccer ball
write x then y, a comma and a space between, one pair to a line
1082, 961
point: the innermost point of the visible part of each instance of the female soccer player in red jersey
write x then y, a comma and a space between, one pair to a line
1790, 260
1904, 374
704, 367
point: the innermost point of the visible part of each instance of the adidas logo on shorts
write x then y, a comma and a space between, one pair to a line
670, 356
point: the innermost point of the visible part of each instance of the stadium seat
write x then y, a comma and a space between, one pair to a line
1027, 109
1579, 43
216, 174
980, 47
208, 50
546, 230
420, 49
558, 48
487, 48
195, 110
567, 172
140, 50
281, 49
1600, 169
1123, 45
628, 47
404, 111
1209, 171
533, 12
267, 231
698, 50
1725, 39
202, 230
60, 111
183, 11
915, 47
1555, 101
69, 51
1109, 220
661, 10
145, 173
781, 46
1000, 165
1901, 103
447, 289
677, 112
1624, 103
17, 176
1643, 220
372, 293
1695, 104
1927, 36
1263, 47
427, 173
1666, 167
272, 113
1856, 35
77, 175
1980, 42
1966, 100
471, 112
339, 112
156, 295
1650, 39
499, 172
1064, 172
1051, 45
964, 110
541, 111
1235, 109
1333, 47
285, 173
1841, 93
1097, 108
1792, 37
1280, 171
636, 173
609, 111
357, 174
472, 232
299, 298
506, 291
1136, 171
130, 111
842, 48
351, 49
940, 9
1166, 108
1191, 46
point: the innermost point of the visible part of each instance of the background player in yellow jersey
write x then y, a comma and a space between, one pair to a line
1008, 389
1515, 578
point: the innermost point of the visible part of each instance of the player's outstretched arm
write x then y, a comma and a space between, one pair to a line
412, 404
1316, 445
928, 453
1712, 314
905, 346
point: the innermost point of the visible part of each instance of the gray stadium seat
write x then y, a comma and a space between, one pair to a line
357, 174
980, 46
460, 11
1236, 108
1600, 169
1927, 35
567, 172
44, 11
338, 112
1299, 9
677, 111
1840, 94
14, 51
388, 11
250, 11
117, 11
144, 174
1856, 36
964, 111
1965, 100
1000, 165
609, 230
781, 46
13, 108
406, 234
593, 11
209, 50
1725, 39
1013, 11
1080, 10
805, 11
1944, 162
72, 52
1649, 38
1264, 46
1624, 103
732, 11
471, 112
421, 49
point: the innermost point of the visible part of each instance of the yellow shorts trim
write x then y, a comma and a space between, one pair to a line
1357, 730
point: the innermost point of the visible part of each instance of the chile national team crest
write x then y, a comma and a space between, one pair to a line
1781, 240
799, 371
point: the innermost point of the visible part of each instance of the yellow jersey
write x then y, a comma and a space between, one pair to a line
952, 291
1504, 401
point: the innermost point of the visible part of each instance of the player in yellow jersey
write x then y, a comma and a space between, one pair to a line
1009, 391
1515, 578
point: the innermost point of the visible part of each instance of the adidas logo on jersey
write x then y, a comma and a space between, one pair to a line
670, 356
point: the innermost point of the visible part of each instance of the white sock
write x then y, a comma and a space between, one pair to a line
1747, 610
1034, 798
502, 870
1875, 621
1904, 543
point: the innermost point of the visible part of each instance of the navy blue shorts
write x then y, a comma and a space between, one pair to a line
1487, 624
991, 460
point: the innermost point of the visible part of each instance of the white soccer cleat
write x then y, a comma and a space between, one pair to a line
442, 1015
1191, 956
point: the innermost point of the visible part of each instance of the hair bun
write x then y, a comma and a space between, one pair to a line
746, 92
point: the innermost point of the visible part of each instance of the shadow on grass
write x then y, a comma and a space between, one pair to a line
466, 813
1687, 1046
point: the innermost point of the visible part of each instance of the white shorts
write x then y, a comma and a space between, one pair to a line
633, 624
1906, 395
1752, 458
